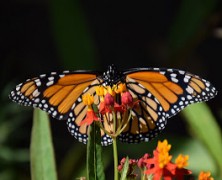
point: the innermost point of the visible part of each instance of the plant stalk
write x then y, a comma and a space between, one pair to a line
115, 157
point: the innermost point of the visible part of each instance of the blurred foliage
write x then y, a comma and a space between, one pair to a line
187, 29
74, 42
77, 49
13, 157
201, 120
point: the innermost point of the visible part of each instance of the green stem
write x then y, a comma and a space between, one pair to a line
115, 154
142, 174
115, 157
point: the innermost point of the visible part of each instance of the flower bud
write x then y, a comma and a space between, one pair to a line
109, 100
126, 98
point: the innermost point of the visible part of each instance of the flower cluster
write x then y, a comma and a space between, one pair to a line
130, 170
160, 166
116, 101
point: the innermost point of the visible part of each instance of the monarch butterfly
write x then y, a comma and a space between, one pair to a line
161, 93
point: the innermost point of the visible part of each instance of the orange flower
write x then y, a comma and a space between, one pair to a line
163, 146
120, 88
103, 109
90, 117
158, 168
205, 176
88, 100
182, 161
161, 165
100, 90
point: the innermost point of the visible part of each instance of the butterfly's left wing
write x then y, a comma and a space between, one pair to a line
60, 95
162, 93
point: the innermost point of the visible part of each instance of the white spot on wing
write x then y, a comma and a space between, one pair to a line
35, 93
38, 82
174, 80
189, 90
42, 75
49, 83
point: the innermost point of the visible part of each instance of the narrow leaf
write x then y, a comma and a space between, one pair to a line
125, 169
95, 169
42, 154
203, 124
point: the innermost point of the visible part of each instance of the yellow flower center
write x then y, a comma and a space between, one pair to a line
164, 159
182, 161
88, 99
100, 90
163, 146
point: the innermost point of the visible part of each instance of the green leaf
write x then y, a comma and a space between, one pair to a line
42, 154
125, 169
95, 169
204, 126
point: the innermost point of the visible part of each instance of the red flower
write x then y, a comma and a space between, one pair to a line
103, 108
142, 161
162, 167
109, 105
131, 167
180, 172
157, 170
90, 117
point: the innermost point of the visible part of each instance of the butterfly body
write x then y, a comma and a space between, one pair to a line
112, 76
160, 93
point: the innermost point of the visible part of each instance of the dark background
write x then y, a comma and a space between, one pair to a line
43, 36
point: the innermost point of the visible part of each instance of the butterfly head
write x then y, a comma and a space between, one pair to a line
111, 76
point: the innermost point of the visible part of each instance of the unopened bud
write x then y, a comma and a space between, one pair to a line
126, 98
109, 100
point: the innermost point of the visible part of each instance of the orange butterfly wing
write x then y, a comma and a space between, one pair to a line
162, 93
60, 96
